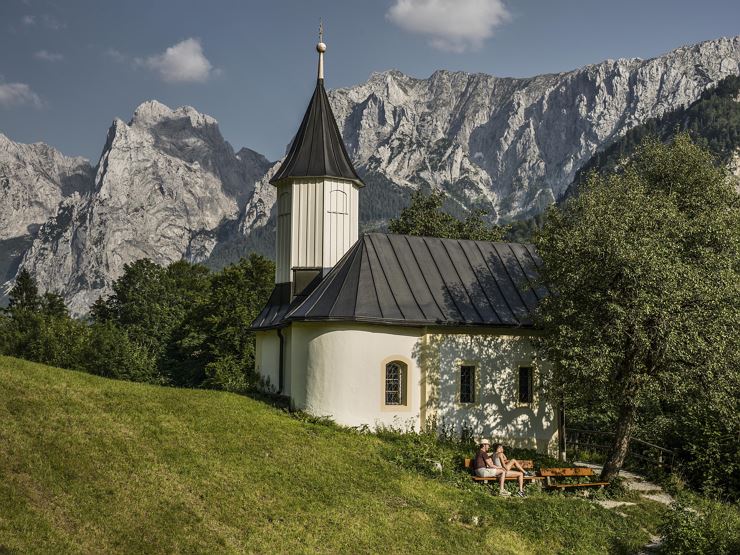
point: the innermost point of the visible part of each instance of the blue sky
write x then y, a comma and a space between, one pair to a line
67, 68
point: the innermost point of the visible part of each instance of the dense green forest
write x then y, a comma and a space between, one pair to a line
180, 325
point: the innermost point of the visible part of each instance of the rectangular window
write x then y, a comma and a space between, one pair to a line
467, 383
525, 384
395, 383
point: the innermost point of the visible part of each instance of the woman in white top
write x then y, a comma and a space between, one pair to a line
500, 460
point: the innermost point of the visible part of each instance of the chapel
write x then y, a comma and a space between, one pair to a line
381, 330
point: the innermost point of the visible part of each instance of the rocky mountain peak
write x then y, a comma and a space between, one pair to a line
169, 186
166, 183
153, 112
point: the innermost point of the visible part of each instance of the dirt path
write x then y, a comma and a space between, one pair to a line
647, 489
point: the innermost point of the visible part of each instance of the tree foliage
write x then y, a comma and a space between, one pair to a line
179, 325
151, 301
645, 269
425, 217
214, 348
24, 294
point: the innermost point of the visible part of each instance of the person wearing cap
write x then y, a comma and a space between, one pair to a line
483, 466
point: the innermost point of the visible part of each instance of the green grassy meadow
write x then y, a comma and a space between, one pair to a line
92, 465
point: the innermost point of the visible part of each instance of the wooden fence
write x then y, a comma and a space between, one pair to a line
640, 453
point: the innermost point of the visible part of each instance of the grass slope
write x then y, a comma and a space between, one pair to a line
95, 465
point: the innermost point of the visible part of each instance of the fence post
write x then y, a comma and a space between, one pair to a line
561, 432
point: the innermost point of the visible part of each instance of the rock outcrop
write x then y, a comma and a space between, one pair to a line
34, 179
514, 145
165, 183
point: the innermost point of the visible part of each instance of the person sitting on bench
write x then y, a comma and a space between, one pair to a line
500, 460
484, 467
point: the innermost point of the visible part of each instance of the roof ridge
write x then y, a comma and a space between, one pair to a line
423, 276
483, 289
441, 277
406, 280
385, 276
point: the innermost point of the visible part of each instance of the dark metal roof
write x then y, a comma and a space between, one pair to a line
317, 149
273, 313
408, 280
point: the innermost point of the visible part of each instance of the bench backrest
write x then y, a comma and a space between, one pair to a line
567, 472
526, 464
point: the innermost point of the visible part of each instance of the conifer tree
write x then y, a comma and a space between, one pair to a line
25, 294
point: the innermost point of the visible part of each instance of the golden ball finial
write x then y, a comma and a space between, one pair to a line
321, 48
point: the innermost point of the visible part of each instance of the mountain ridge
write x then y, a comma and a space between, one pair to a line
169, 186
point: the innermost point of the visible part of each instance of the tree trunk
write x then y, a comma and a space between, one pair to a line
618, 451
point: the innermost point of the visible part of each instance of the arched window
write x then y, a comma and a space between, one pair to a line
395, 383
337, 202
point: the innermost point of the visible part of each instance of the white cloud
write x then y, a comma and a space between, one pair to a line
18, 94
47, 20
53, 23
182, 62
115, 55
47, 56
452, 25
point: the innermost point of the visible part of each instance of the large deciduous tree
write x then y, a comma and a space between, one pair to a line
645, 269
215, 348
424, 216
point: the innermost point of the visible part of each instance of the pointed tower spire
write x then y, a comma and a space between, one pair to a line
317, 149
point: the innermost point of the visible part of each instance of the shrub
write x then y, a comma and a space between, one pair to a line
230, 374
54, 340
713, 528
57, 341
111, 353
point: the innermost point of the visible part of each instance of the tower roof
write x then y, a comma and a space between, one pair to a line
317, 149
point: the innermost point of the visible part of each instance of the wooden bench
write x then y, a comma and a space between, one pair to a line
553, 474
526, 465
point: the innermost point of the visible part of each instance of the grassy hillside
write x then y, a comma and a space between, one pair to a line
95, 465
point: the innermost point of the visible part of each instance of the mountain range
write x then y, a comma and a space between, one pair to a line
168, 186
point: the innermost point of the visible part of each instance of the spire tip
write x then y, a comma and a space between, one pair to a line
321, 48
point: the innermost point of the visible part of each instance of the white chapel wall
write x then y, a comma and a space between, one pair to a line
345, 372
496, 412
337, 370
282, 246
267, 358
342, 208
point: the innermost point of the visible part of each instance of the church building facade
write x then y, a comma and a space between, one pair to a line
394, 330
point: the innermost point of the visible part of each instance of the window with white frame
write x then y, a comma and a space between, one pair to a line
467, 383
526, 382
395, 383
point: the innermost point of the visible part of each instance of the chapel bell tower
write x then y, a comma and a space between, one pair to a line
317, 196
